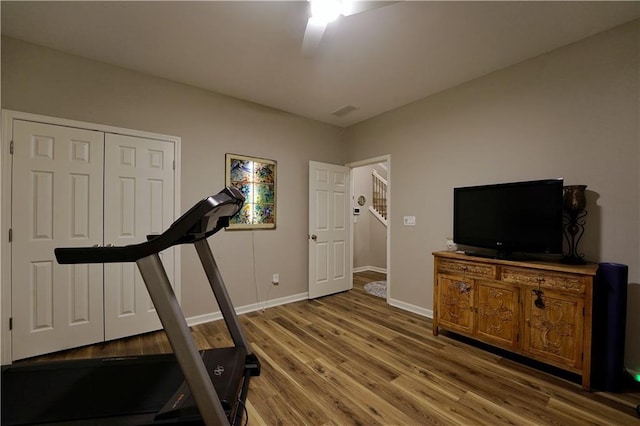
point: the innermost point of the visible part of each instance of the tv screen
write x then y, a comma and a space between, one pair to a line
510, 217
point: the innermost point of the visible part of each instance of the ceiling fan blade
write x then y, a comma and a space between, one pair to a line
316, 27
353, 7
312, 36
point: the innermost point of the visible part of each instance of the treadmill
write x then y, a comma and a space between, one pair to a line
186, 387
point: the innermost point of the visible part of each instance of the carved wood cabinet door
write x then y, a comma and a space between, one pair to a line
553, 327
455, 303
497, 313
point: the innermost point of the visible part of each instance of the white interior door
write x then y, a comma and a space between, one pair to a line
56, 202
139, 194
329, 249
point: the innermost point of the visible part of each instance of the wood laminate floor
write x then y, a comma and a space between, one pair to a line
350, 358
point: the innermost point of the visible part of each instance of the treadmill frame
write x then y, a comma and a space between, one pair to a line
194, 227
181, 340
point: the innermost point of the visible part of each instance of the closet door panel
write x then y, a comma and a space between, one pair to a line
139, 194
56, 202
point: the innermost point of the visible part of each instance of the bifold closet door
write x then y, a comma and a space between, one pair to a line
56, 202
139, 194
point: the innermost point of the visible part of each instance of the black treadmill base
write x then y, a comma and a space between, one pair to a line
226, 368
113, 391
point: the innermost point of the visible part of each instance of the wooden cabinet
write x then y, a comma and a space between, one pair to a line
553, 329
537, 309
456, 302
497, 313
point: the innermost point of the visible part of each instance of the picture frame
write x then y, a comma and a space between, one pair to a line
256, 178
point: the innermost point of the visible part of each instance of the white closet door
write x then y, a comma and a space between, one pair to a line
56, 201
139, 194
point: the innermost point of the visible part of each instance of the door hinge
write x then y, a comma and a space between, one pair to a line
174, 164
10, 323
11, 148
10, 234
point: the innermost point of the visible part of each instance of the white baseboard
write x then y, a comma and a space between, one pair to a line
370, 268
411, 308
214, 316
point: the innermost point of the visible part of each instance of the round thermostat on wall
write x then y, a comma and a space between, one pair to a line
361, 200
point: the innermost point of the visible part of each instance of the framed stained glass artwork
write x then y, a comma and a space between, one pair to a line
256, 179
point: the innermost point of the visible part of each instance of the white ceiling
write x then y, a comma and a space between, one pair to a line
376, 60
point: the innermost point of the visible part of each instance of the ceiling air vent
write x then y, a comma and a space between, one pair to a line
344, 110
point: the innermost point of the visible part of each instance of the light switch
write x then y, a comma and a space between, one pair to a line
410, 221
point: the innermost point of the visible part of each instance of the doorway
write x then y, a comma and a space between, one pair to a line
370, 230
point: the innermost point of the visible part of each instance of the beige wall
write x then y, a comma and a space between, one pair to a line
377, 230
571, 113
44, 81
369, 234
361, 186
378, 248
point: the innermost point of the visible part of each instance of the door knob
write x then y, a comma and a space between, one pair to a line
314, 237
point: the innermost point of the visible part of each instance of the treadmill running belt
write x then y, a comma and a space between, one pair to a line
86, 389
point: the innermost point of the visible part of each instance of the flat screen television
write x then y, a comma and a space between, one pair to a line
516, 217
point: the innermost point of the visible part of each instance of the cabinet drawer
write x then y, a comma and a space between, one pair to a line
467, 268
544, 279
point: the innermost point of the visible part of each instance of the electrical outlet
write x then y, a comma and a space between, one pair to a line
275, 280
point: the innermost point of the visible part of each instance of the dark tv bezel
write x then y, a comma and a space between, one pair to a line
504, 249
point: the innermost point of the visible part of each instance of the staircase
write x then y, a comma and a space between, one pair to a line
379, 204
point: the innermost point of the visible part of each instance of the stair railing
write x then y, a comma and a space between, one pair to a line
379, 204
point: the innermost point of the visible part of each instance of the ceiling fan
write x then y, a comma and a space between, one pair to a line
324, 12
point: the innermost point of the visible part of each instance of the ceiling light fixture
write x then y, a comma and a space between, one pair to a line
325, 11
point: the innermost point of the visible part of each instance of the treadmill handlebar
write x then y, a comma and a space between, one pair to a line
204, 219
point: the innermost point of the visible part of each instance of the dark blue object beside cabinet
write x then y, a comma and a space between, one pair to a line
609, 322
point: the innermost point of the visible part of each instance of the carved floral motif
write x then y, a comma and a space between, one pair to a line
456, 300
558, 282
495, 313
552, 327
479, 270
